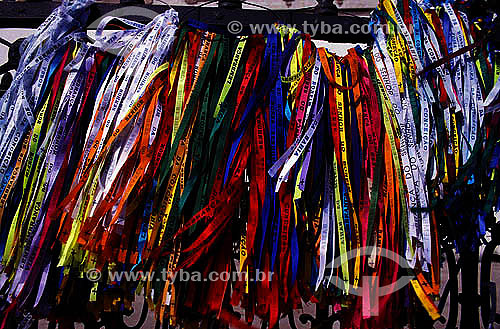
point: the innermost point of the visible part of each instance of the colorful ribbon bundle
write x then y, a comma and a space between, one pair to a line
163, 147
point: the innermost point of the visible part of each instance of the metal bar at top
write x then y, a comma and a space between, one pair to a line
333, 28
